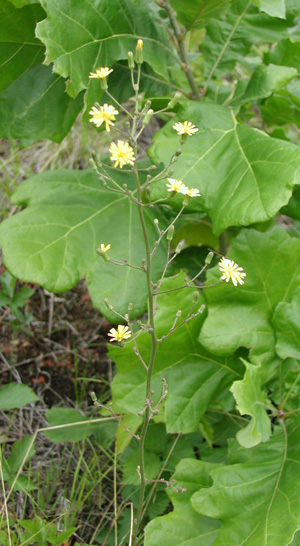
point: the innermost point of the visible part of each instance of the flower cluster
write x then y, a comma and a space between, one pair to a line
178, 186
231, 271
122, 332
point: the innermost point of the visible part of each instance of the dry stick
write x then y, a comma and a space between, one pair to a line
5, 502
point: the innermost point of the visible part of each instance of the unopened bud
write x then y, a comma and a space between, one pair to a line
147, 117
155, 221
195, 297
130, 60
209, 258
201, 309
92, 163
174, 100
93, 397
178, 313
108, 304
140, 102
139, 52
170, 233
178, 249
130, 306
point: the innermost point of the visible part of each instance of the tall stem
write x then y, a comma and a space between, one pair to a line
147, 414
182, 50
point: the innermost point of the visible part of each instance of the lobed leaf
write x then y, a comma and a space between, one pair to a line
53, 241
231, 164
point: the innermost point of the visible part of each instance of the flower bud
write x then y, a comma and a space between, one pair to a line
201, 309
195, 297
178, 249
103, 83
139, 52
178, 313
147, 117
170, 233
174, 100
140, 102
209, 258
130, 60
108, 304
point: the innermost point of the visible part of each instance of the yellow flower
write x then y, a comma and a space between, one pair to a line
101, 73
185, 128
122, 332
121, 153
104, 248
104, 114
191, 192
231, 271
176, 185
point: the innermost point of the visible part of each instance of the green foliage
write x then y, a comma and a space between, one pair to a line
15, 395
211, 370
58, 247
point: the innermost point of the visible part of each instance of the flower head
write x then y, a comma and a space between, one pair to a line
104, 248
191, 192
121, 153
104, 114
231, 271
185, 128
101, 73
140, 44
176, 185
122, 332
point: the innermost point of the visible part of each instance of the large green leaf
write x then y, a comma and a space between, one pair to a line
283, 107
241, 316
244, 176
53, 241
42, 110
183, 526
195, 378
286, 321
16, 395
256, 497
81, 36
19, 48
275, 8
229, 38
252, 401
194, 14
286, 53
263, 82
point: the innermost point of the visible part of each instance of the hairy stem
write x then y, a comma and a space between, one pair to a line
147, 414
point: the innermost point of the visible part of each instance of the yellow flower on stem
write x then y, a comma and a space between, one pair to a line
104, 114
191, 192
121, 153
231, 271
104, 248
175, 185
122, 332
101, 73
185, 128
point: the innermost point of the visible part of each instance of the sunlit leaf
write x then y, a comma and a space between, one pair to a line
53, 241
231, 164
251, 495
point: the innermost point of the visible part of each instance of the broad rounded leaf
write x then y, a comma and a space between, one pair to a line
241, 316
286, 321
81, 36
19, 48
263, 82
184, 526
42, 110
53, 241
15, 395
257, 496
243, 175
195, 378
252, 401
